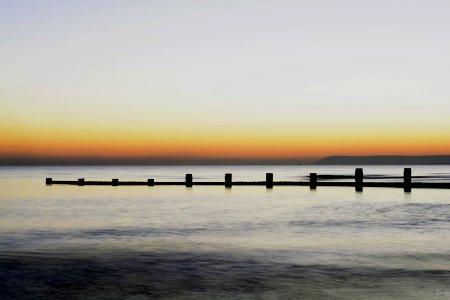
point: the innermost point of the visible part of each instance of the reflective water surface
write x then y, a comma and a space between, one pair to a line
172, 242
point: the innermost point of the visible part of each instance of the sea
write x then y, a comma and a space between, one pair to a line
212, 242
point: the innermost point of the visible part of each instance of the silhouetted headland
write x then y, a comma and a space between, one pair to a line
385, 160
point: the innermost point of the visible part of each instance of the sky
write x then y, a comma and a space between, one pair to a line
286, 80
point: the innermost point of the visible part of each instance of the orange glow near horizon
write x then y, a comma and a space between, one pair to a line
229, 145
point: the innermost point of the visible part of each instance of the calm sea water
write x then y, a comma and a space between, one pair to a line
208, 242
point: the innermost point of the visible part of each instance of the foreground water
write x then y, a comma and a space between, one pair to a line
103, 242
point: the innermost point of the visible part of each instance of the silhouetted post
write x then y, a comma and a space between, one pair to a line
269, 180
359, 179
80, 181
115, 182
188, 180
48, 181
312, 181
407, 180
150, 182
228, 180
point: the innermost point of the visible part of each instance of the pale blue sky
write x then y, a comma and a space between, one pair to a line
227, 64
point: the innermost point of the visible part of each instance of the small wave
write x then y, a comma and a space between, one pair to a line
112, 274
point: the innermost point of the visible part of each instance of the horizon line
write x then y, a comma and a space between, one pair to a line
14, 160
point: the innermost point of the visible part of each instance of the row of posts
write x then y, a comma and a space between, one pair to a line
269, 180
359, 174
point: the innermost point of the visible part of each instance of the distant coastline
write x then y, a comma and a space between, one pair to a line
385, 160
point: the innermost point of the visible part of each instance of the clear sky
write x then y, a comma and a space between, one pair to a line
211, 79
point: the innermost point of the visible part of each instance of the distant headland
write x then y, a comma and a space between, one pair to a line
385, 160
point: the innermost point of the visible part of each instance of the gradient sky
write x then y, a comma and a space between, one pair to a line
224, 78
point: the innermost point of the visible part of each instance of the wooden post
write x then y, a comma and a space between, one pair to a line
407, 180
150, 182
48, 181
188, 180
228, 180
115, 182
80, 181
269, 180
312, 181
359, 179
